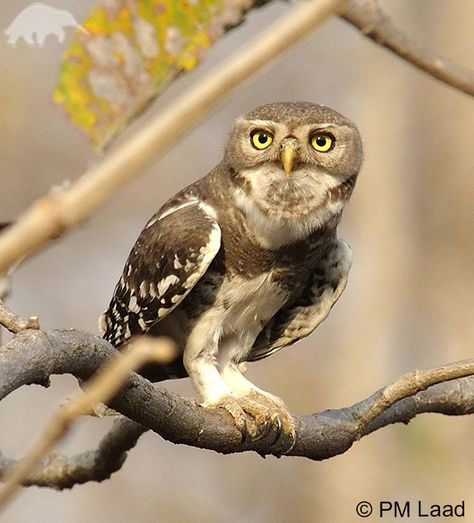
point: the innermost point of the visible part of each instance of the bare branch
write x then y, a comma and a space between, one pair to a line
412, 383
102, 386
13, 322
318, 436
61, 472
52, 215
368, 17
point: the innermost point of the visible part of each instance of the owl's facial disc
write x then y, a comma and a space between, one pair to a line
293, 167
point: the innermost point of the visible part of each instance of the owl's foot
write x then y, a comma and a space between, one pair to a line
279, 415
256, 415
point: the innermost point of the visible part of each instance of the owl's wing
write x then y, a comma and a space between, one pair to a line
302, 315
171, 254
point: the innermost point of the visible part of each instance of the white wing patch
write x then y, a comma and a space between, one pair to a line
207, 254
171, 210
165, 284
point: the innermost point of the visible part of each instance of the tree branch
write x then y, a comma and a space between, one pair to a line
368, 17
33, 356
61, 472
5, 278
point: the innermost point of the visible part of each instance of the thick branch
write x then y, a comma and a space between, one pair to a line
367, 16
33, 356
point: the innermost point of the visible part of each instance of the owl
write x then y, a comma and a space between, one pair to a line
246, 260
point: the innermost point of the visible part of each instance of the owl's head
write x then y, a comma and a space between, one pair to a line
293, 163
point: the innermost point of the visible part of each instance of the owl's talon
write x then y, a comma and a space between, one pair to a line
278, 430
293, 442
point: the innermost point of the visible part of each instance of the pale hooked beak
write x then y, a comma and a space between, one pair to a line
287, 155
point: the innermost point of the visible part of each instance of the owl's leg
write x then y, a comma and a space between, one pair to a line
213, 390
200, 361
220, 384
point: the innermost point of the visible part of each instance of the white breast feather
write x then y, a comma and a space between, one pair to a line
241, 308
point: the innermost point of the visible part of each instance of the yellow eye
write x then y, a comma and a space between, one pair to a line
261, 139
322, 142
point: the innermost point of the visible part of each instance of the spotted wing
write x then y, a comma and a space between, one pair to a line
170, 256
302, 315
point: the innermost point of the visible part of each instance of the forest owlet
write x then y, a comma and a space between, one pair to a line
246, 260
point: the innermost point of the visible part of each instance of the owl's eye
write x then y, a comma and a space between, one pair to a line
261, 139
322, 142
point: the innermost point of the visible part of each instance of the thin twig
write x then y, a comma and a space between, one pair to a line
368, 17
13, 322
54, 214
101, 388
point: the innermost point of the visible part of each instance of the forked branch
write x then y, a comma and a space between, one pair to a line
61, 472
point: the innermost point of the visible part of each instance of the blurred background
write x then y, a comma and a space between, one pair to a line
409, 302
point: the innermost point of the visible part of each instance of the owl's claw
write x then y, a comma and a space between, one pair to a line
274, 425
278, 431
256, 415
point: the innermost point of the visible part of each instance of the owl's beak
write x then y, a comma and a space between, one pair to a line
287, 156
288, 153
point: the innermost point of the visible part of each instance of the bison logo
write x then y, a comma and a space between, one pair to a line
38, 21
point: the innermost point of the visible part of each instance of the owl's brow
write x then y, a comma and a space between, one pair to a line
328, 125
265, 124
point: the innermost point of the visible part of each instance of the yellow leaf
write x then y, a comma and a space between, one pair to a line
129, 53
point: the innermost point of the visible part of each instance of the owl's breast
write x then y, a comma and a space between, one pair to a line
239, 309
